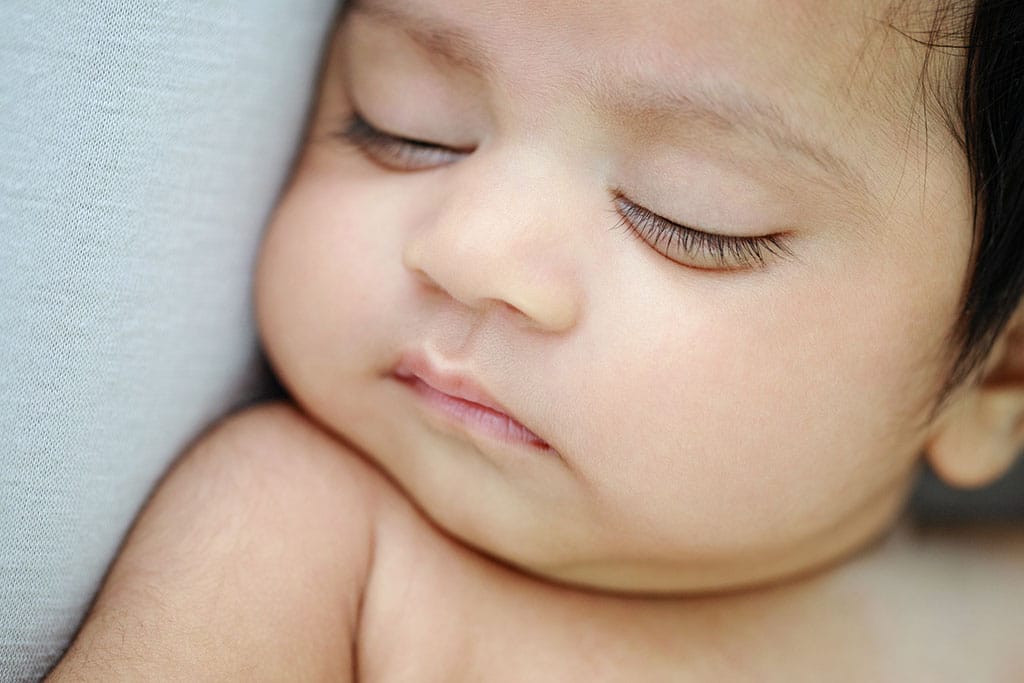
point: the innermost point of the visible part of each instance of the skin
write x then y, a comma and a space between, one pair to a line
711, 429
718, 436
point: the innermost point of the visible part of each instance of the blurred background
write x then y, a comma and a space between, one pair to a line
1000, 503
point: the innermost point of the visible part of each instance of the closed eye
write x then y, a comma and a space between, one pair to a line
697, 248
684, 245
395, 152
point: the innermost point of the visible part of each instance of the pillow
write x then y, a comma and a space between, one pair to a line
142, 147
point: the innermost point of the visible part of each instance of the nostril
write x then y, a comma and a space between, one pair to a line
513, 311
424, 279
511, 308
489, 280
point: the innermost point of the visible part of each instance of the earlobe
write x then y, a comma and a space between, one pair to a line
980, 438
982, 433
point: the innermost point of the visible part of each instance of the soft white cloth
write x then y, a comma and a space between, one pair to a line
142, 146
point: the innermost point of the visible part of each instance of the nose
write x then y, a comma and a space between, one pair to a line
497, 243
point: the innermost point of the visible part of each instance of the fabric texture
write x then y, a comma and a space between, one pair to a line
142, 146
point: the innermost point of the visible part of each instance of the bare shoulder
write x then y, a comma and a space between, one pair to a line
275, 438
278, 451
249, 561
271, 464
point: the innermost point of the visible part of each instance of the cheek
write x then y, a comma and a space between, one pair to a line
321, 287
781, 406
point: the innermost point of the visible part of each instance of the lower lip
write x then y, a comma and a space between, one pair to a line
474, 415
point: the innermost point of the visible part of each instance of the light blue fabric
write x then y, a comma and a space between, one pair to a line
142, 146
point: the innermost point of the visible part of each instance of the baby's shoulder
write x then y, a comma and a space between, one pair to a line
403, 579
303, 461
276, 437
249, 561
424, 606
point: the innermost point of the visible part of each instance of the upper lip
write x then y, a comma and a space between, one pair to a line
454, 384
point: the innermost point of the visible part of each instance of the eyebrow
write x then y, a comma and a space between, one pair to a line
726, 106
723, 104
452, 45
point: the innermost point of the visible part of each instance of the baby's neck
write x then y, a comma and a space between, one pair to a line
876, 616
908, 598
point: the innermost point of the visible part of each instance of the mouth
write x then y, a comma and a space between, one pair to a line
459, 400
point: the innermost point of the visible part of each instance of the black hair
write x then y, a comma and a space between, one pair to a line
989, 125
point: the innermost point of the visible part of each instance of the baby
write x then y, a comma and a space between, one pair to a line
616, 333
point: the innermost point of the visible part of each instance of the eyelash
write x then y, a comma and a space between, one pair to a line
726, 252
405, 154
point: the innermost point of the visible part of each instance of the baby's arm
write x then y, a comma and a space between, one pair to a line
248, 563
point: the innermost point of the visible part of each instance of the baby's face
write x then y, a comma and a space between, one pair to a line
691, 411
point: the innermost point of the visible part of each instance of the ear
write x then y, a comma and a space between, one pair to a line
981, 433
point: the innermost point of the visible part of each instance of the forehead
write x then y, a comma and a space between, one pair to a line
790, 70
778, 40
